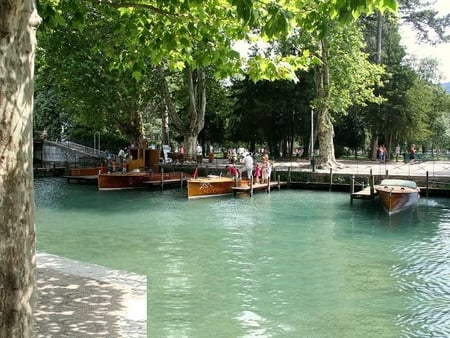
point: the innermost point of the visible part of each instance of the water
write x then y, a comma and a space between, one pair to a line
293, 263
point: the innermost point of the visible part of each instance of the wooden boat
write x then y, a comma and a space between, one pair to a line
135, 179
209, 186
396, 195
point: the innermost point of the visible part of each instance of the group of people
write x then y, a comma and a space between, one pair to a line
260, 173
382, 151
116, 163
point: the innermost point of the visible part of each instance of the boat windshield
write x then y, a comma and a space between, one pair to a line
399, 183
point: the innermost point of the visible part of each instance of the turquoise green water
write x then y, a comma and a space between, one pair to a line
292, 263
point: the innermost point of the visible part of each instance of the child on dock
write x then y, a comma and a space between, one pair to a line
257, 172
266, 168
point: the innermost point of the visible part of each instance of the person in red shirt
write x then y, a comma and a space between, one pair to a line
232, 171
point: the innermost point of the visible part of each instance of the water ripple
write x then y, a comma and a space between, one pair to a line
425, 277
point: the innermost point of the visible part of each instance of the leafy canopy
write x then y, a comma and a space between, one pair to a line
199, 33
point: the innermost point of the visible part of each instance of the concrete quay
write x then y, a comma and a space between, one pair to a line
80, 300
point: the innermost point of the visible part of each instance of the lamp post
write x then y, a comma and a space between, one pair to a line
311, 152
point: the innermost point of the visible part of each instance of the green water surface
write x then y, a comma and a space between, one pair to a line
292, 263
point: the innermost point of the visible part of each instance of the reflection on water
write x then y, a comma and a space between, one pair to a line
285, 264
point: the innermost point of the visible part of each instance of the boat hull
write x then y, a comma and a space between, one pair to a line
132, 180
208, 187
395, 198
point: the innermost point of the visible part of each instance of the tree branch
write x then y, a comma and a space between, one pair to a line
147, 7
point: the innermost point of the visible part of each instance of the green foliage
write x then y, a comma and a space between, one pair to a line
202, 32
353, 76
93, 96
111, 48
272, 112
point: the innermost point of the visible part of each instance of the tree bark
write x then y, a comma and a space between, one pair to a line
18, 23
192, 125
326, 158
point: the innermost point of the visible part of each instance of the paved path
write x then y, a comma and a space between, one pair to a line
80, 300
362, 167
434, 168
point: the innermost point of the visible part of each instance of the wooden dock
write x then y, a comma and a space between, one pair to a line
258, 186
168, 181
82, 179
50, 171
367, 193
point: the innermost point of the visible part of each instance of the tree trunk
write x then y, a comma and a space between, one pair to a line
373, 147
192, 125
326, 158
18, 23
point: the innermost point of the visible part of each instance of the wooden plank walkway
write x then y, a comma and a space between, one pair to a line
259, 186
82, 179
168, 181
365, 194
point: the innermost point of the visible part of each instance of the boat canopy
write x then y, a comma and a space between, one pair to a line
399, 183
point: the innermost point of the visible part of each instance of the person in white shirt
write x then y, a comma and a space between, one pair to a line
199, 154
247, 162
121, 156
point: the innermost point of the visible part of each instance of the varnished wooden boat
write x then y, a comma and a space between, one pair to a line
396, 195
209, 186
134, 179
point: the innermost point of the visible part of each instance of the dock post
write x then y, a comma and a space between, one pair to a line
352, 188
289, 177
251, 186
162, 178
279, 180
268, 184
427, 192
181, 180
371, 182
331, 178
386, 174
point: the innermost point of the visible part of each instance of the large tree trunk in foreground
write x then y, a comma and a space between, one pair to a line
18, 23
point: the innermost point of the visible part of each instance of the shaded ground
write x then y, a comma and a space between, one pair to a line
84, 300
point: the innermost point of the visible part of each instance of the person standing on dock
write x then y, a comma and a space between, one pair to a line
412, 153
181, 153
397, 152
266, 169
257, 172
113, 163
199, 151
120, 156
247, 165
